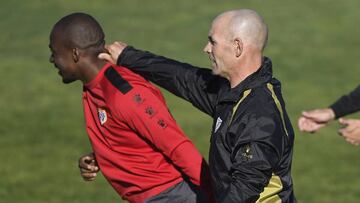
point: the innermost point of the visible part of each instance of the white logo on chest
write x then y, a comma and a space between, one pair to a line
102, 116
218, 124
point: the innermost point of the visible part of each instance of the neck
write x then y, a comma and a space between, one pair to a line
90, 69
248, 66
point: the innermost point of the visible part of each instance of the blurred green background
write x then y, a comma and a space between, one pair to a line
313, 45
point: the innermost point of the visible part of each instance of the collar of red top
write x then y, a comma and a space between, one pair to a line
98, 77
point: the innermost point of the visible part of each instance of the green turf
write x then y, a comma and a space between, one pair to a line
313, 44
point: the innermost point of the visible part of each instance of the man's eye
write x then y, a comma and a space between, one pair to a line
211, 40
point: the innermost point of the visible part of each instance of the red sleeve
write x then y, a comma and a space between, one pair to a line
147, 115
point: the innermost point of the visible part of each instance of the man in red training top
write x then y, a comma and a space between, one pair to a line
137, 144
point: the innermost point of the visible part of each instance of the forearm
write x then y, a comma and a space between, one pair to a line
347, 104
167, 73
191, 83
188, 159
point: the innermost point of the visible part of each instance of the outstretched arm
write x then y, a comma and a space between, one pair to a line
196, 85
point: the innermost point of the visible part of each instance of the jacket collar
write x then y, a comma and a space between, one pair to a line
261, 76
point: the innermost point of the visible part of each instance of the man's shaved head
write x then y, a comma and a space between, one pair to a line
246, 25
76, 40
79, 30
237, 39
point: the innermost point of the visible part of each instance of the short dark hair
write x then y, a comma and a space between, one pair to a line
80, 30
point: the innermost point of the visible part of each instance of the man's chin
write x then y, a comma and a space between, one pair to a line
67, 81
218, 73
215, 71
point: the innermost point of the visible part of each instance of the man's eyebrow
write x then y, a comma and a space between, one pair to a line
211, 39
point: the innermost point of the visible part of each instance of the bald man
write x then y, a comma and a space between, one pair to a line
252, 137
136, 143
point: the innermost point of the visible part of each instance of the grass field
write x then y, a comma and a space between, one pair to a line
313, 45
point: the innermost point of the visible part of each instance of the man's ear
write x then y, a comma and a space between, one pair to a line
238, 46
75, 55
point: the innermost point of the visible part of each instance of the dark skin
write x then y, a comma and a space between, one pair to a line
75, 63
88, 167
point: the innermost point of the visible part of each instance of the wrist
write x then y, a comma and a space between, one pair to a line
121, 56
331, 114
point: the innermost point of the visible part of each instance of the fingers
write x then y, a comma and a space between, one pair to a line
88, 167
114, 49
347, 130
106, 57
88, 163
350, 126
302, 123
88, 176
120, 44
345, 121
353, 141
308, 125
313, 114
351, 132
319, 115
307, 114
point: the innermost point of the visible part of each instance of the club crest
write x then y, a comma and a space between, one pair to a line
102, 116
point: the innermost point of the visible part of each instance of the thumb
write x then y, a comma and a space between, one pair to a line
344, 121
106, 57
88, 159
307, 114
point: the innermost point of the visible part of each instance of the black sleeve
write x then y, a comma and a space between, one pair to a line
347, 104
196, 85
254, 162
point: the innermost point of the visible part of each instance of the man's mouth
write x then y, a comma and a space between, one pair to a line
211, 59
59, 71
55, 66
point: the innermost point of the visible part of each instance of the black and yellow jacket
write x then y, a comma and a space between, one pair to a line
252, 137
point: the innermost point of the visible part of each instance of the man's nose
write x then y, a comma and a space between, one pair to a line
207, 48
